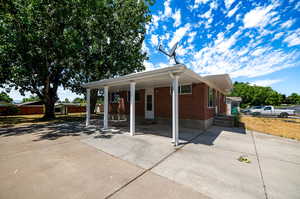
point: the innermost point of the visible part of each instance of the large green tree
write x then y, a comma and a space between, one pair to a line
256, 95
45, 44
294, 98
115, 37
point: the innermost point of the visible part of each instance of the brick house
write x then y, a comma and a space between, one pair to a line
174, 94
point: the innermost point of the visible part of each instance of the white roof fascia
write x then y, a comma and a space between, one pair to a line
206, 81
135, 77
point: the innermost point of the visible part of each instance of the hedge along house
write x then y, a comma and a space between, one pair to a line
173, 93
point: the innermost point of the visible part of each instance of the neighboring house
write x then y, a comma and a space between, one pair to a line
33, 107
233, 105
193, 102
65, 108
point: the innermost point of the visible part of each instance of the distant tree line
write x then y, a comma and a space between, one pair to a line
253, 95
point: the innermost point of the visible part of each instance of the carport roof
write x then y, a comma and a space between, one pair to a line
162, 77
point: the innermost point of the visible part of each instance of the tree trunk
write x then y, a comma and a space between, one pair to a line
94, 97
49, 109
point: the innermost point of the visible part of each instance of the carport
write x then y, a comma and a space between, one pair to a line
164, 77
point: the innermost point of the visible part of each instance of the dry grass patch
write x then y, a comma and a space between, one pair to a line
8, 121
284, 127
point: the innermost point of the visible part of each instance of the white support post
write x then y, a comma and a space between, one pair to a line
105, 119
132, 108
175, 111
88, 109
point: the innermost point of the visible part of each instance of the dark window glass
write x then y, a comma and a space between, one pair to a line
149, 102
210, 97
186, 89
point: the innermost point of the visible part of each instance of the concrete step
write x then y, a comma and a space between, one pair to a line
223, 121
223, 124
230, 118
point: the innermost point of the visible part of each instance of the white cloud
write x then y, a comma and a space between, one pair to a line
287, 24
213, 5
179, 34
206, 15
293, 39
266, 82
297, 7
155, 20
191, 37
229, 26
233, 10
165, 37
223, 56
154, 40
181, 51
168, 9
145, 48
148, 65
177, 17
278, 35
258, 17
259, 51
228, 3
198, 2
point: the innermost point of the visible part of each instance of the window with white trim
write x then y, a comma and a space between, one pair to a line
183, 89
210, 97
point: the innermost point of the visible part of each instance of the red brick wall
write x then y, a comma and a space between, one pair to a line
191, 106
76, 109
28, 110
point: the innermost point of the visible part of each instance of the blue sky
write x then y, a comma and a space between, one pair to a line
253, 41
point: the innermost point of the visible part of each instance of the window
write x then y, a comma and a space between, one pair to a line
183, 89
137, 96
149, 102
210, 97
268, 108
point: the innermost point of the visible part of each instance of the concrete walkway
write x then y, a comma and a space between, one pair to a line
208, 162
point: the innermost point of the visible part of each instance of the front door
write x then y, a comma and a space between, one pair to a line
149, 103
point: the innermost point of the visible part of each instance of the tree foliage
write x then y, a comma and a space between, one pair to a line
256, 95
294, 98
46, 44
78, 100
5, 98
31, 98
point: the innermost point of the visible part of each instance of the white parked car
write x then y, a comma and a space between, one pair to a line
270, 110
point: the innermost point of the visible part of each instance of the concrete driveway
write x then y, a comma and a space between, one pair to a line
50, 161
71, 161
208, 162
